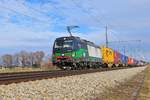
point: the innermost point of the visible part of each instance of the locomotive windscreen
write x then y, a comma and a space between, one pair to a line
63, 44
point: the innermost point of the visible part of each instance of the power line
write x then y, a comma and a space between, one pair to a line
35, 9
12, 10
94, 18
125, 41
87, 12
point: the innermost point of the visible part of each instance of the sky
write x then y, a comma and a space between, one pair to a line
33, 25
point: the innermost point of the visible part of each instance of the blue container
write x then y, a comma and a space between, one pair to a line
124, 59
136, 62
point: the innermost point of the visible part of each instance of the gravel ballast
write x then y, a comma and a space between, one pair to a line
78, 87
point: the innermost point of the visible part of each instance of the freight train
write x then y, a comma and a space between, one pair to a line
75, 53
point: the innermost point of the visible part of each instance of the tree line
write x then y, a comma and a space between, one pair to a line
23, 59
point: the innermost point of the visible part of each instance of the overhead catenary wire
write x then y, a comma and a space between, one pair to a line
96, 19
36, 10
87, 12
92, 16
16, 12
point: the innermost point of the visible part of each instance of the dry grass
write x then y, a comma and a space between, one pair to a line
26, 69
145, 91
124, 91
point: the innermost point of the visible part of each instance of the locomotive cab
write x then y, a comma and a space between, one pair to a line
75, 53
63, 51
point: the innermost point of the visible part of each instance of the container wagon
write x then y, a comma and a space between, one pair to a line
107, 57
123, 60
130, 62
117, 58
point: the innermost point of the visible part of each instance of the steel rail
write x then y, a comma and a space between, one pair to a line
9, 78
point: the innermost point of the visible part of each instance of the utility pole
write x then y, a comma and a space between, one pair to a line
124, 50
106, 37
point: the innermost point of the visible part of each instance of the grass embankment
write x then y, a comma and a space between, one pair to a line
26, 69
145, 90
125, 90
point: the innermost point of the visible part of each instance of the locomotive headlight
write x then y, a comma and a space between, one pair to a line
73, 54
84, 54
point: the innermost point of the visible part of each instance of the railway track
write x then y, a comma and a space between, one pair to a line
8, 78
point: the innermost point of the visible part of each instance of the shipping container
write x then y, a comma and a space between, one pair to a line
107, 55
117, 57
135, 62
130, 61
126, 60
122, 59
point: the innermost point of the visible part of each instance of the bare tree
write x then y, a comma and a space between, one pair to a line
24, 58
0, 62
31, 58
38, 57
7, 60
17, 60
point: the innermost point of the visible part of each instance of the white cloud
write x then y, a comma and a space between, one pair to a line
36, 21
20, 7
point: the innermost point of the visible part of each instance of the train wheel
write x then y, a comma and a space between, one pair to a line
105, 65
110, 65
113, 65
74, 66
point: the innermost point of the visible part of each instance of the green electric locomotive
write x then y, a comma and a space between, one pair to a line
75, 53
